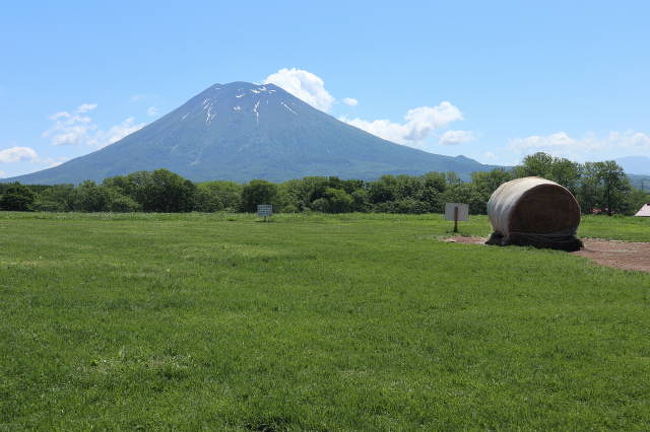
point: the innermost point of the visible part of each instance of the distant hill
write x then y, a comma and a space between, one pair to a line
640, 181
635, 164
241, 131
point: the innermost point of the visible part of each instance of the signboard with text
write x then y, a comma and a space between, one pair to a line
264, 210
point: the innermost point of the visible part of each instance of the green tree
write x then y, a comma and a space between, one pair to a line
410, 205
407, 186
334, 201
433, 185
604, 186
136, 185
466, 193
258, 192
156, 191
409, 194
452, 178
559, 170
360, 202
120, 203
614, 186
17, 197
206, 200
383, 189
538, 164
57, 198
170, 193
636, 199
299, 194
566, 173
89, 197
589, 189
488, 181
225, 194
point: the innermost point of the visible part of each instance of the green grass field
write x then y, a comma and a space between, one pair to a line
312, 322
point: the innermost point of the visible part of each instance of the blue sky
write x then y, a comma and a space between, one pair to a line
490, 80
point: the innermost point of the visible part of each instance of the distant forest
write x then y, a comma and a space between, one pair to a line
600, 187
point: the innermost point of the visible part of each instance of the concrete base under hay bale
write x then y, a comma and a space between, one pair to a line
568, 243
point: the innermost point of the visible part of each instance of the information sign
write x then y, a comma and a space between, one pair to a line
456, 212
264, 210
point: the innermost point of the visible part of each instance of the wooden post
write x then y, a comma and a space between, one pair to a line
456, 219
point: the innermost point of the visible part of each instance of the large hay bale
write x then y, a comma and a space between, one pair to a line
533, 211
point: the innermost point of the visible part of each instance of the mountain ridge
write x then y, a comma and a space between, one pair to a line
240, 131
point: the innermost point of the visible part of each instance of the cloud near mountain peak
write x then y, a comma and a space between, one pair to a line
304, 85
418, 126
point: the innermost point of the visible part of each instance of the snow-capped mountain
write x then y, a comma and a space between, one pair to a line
241, 131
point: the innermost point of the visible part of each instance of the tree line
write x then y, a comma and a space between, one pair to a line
600, 187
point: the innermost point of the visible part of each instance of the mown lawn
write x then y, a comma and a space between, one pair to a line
312, 322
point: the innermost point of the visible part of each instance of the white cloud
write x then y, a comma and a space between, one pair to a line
83, 108
152, 111
137, 97
77, 128
60, 115
588, 147
304, 85
418, 125
381, 128
17, 154
115, 133
27, 154
71, 128
455, 137
630, 140
51, 162
558, 140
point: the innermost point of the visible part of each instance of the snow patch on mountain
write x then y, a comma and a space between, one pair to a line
208, 106
289, 108
257, 114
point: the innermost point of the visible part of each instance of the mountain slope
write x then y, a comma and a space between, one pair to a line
635, 164
240, 131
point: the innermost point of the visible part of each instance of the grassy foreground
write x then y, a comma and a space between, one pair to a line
322, 323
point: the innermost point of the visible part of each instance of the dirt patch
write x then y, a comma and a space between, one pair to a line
618, 254
611, 253
466, 240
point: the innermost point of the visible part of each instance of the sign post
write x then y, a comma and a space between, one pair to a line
456, 212
264, 211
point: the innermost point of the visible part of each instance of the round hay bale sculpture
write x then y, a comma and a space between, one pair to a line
533, 211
